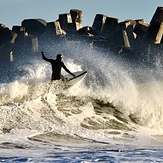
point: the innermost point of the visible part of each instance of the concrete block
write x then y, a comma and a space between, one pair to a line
76, 15
14, 36
6, 35
109, 27
65, 21
121, 39
77, 26
158, 15
123, 25
34, 26
71, 22
159, 34
99, 22
155, 32
124, 34
19, 35
2, 26
18, 29
55, 28
125, 38
11, 56
20, 38
31, 43
141, 27
87, 31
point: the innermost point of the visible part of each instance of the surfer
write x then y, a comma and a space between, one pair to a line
57, 64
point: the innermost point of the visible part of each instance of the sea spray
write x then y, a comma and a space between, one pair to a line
109, 89
125, 86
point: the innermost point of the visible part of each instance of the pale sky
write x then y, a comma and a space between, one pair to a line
13, 12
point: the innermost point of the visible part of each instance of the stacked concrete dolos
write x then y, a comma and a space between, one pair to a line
130, 38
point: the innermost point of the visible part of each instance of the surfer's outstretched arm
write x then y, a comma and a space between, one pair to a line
44, 58
67, 70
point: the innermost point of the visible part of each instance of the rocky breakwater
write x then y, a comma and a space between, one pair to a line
133, 39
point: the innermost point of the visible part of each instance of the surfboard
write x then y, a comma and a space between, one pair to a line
69, 81
79, 76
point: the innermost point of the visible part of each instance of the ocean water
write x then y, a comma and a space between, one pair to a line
114, 115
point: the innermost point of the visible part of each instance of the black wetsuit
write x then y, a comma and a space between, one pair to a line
56, 68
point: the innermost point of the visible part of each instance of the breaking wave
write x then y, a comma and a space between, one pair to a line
110, 102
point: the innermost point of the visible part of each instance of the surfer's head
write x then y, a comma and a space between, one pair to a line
59, 56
